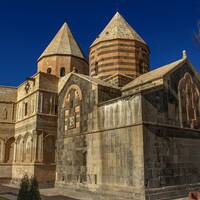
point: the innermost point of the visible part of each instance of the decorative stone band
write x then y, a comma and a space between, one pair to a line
116, 45
115, 50
112, 58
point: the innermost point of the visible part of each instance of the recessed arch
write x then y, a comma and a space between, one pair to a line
9, 150
67, 95
188, 94
49, 149
72, 107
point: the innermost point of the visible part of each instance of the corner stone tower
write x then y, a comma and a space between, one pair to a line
63, 55
119, 54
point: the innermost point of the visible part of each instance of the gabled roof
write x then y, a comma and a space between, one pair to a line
63, 44
154, 74
95, 81
118, 28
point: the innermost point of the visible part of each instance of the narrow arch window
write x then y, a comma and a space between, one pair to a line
96, 68
49, 70
141, 68
25, 109
62, 72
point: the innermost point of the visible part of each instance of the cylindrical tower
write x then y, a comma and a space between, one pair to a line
119, 54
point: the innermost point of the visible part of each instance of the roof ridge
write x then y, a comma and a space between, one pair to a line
60, 39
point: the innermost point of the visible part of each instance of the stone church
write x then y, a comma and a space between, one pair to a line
109, 126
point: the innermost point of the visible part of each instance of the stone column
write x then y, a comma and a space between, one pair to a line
2, 151
15, 151
22, 151
33, 146
41, 103
38, 147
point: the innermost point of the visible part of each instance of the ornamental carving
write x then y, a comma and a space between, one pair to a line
27, 87
188, 102
72, 107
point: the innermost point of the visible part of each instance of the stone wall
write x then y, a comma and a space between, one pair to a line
6, 172
105, 153
162, 105
8, 97
171, 158
36, 128
171, 155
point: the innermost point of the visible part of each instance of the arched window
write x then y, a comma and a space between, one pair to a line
25, 108
188, 102
62, 72
49, 70
72, 107
141, 68
96, 68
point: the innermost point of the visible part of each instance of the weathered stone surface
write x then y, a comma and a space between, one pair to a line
95, 138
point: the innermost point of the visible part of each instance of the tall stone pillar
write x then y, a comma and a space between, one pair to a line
15, 151
2, 151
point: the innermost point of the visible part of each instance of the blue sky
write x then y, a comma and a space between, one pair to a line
26, 28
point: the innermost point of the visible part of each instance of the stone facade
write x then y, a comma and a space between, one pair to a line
133, 135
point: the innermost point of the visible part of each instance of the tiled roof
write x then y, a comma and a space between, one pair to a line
154, 74
63, 44
118, 28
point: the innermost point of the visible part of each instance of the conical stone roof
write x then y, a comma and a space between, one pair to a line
118, 28
63, 44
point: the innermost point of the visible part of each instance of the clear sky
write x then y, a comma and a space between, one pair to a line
26, 28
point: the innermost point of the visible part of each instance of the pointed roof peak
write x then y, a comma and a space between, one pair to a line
118, 28
63, 43
117, 13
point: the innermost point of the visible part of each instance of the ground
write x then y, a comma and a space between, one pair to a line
10, 193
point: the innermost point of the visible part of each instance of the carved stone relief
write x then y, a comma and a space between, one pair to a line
72, 107
188, 102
